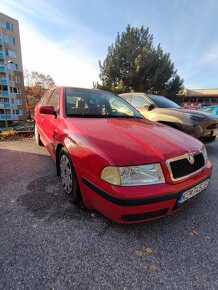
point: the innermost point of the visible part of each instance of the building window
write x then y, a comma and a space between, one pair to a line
4, 87
13, 78
7, 25
9, 39
17, 79
5, 100
18, 112
11, 53
3, 112
16, 102
14, 90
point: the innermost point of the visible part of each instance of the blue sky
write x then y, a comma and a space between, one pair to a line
67, 38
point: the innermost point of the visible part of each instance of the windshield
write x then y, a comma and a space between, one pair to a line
163, 102
100, 104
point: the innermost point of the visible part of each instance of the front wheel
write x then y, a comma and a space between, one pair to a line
208, 139
68, 176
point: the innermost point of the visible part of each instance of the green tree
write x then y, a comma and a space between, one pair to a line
132, 62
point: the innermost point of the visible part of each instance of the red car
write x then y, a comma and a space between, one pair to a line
119, 163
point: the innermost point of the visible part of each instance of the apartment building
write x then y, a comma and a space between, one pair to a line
12, 94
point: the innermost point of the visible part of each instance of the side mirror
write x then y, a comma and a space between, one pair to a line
149, 107
47, 109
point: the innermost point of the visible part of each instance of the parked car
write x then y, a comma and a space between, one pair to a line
24, 127
206, 104
210, 109
200, 125
119, 163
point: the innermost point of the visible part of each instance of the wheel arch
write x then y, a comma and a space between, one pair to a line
58, 150
170, 124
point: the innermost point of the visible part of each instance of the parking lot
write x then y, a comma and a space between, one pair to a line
47, 242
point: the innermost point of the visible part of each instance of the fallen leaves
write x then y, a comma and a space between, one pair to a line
149, 251
152, 268
138, 253
194, 233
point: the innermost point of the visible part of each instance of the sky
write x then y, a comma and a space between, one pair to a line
67, 38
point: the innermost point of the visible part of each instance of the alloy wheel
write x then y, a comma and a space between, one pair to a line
66, 173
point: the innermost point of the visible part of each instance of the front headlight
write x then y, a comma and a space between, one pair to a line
133, 175
204, 152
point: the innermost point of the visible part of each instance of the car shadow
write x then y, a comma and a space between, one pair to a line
46, 200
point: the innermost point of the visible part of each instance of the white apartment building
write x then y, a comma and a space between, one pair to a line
12, 94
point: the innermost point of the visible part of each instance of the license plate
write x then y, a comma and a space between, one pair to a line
215, 132
184, 196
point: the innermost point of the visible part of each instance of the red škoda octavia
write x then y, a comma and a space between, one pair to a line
119, 163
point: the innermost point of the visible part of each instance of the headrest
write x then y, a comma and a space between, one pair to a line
80, 104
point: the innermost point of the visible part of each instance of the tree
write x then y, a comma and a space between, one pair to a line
134, 63
36, 85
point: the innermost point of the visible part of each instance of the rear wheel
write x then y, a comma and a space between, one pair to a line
37, 137
68, 176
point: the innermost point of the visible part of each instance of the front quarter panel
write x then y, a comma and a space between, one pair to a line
87, 162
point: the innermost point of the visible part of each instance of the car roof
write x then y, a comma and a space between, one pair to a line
79, 88
133, 94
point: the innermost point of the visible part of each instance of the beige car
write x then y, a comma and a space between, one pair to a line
199, 124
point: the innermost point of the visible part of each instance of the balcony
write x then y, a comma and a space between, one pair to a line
4, 92
2, 68
3, 81
7, 105
2, 117
1, 54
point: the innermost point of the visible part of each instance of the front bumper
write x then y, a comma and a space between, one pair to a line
206, 129
138, 204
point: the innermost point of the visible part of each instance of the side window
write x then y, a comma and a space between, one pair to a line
44, 98
139, 101
53, 101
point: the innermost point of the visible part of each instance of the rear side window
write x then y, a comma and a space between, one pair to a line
53, 101
139, 101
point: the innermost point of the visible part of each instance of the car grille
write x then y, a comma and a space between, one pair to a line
212, 126
181, 167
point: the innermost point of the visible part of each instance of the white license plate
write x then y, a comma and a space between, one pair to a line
215, 132
192, 192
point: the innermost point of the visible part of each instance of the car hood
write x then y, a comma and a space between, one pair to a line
130, 141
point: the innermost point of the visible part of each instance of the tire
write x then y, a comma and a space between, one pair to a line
37, 137
68, 176
208, 139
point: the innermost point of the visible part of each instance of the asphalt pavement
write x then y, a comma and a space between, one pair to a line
47, 242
